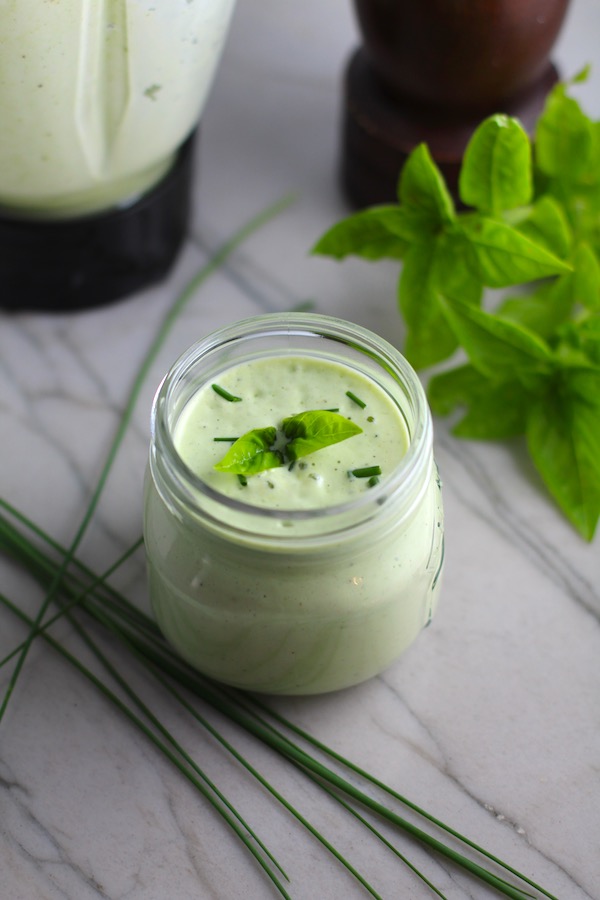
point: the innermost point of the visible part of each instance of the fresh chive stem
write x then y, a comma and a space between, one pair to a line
242, 480
228, 440
196, 777
231, 398
384, 840
356, 399
373, 480
401, 798
366, 472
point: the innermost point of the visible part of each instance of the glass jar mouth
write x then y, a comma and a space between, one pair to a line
234, 343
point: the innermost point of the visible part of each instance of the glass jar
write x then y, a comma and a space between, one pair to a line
293, 601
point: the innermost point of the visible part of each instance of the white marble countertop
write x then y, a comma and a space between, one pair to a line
491, 720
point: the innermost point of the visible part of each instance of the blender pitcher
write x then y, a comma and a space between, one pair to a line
99, 103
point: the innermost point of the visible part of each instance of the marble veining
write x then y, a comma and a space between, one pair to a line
506, 519
490, 721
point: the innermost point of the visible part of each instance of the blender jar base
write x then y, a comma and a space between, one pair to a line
94, 260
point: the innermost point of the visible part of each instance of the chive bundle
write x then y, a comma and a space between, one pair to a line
81, 592
84, 598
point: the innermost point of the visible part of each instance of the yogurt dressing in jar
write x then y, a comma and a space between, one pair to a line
306, 577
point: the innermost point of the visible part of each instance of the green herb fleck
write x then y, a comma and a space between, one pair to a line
152, 92
366, 472
225, 394
356, 399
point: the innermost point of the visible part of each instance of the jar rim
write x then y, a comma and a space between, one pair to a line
401, 482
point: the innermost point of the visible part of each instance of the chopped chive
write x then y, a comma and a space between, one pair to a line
366, 472
230, 440
373, 480
225, 394
333, 409
356, 399
242, 480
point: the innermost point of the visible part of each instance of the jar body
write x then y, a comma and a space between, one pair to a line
96, 98
293, 607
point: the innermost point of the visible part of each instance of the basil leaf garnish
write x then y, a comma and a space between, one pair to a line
251, 453
315, 429
306, 432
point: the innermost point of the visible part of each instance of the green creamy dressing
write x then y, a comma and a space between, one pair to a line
96, 97
271, 390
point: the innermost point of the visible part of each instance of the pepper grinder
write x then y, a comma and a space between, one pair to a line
430, 71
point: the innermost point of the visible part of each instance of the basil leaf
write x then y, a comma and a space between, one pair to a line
456, 387
564, 139
551, 305
586, 277
495, 410
544, 310
429, 338
417, 288
427, 202
427, 267
456, 270
582, 337
315, 429
430, 342
505, 257
251, 453
371, 234
496, 172
497, 347
547, 225
589, 336
498, 411
563, 436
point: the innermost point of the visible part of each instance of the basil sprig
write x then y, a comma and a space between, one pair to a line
530, 216
269, 448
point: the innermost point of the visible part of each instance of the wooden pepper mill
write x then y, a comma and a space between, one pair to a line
431, 70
